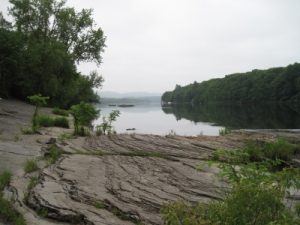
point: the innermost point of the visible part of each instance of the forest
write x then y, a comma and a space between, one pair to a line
280, 84
41, 47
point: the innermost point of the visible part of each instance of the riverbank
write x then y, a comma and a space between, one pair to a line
119, 179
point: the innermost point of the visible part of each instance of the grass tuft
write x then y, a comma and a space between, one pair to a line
47, 121
31, 166
5, 178
60, 112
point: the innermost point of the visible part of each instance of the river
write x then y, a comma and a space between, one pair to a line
201, 120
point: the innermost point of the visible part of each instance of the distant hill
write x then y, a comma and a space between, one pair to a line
280, 84
112, 94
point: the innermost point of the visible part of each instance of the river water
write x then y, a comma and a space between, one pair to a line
201, 120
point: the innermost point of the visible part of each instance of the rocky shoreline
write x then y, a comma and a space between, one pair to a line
114, 180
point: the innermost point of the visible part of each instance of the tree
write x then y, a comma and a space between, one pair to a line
84, 114
39, 50
45, 20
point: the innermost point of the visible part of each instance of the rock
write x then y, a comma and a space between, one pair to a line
51, 141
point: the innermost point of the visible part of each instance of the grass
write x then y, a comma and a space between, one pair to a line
31, 166
48, 121
66, 136
5, 178
9, 214
279, 149
42, 212
27, 131
60, 112
32, 183
54, 154
99, 205
7, 211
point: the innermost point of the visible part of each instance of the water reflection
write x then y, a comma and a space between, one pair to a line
237, 116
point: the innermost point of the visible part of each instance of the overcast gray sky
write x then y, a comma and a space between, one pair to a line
154, 44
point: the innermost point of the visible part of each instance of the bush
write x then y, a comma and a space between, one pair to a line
276, 150
47, 121
30, 166
60, 112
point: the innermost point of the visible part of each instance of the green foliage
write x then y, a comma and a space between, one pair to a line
30, 166
5, 178
224, 131
106, 126
99, 205
42, 212
257, 191
9, 214
272, 85
48, 121
84, 114
39, 50
60, 112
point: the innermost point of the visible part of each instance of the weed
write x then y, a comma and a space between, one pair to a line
54, 154
5, 178
47, 121
99, 205
60, 112
9, 214
32, 183
42, 212
31, 166
66, 136
224, 131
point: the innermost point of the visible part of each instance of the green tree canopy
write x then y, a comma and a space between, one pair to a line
40, 48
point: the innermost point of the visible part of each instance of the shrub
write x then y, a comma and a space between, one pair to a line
84, 114
276, 150
31, 166
60, 112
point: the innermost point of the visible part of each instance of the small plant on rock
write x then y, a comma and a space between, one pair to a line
84, 114
106, 126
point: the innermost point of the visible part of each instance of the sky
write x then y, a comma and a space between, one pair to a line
154, 45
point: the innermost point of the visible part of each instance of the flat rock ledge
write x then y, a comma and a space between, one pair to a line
127, 179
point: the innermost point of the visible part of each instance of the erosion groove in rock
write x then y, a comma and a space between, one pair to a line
133, 188
127, 179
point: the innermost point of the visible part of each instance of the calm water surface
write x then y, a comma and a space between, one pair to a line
206, 120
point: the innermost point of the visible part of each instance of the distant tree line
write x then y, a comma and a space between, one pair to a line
40, 48
271, 85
